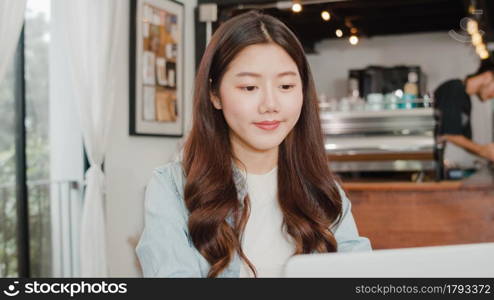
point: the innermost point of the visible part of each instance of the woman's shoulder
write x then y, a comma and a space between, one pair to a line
172, 169
165, 186
344, 199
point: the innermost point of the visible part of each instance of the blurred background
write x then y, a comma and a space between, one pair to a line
388, 74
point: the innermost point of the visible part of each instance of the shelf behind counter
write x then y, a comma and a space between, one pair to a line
408, 214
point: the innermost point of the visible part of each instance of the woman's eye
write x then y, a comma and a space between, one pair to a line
249, 88
287, 86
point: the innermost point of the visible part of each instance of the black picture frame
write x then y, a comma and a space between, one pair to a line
156, 68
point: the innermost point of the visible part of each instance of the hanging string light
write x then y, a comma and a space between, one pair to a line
296, 6
476, 39
353, 37
472, 26
475, 33
339, 33
353, 40
325, 15
482, 51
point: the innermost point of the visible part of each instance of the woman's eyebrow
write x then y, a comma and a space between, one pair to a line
251, 74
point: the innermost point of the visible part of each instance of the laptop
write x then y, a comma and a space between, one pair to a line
469, 260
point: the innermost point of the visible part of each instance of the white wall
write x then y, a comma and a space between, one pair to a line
130, 159
440, 57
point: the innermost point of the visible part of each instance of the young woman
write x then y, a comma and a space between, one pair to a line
253, 186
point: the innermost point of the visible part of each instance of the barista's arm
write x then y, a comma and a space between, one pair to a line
486, 151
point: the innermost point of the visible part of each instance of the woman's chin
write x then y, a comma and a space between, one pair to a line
264, 146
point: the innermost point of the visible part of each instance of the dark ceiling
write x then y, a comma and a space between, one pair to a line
369, 17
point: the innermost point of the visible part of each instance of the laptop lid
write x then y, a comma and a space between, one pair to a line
470, 260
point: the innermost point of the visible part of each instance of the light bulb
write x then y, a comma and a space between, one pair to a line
339, 33
472, 26
353, 40
296, 7
481, 50
476, 39
325, 15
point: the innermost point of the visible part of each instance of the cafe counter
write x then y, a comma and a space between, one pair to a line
408, 214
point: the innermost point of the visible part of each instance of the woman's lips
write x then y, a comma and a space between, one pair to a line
268, 125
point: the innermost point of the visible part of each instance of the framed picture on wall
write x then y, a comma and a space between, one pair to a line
156, 75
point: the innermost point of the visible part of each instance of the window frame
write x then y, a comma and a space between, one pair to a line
22, 204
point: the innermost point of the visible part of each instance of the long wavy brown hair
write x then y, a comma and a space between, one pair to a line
307, 192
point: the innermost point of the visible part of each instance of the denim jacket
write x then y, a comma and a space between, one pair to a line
165, 248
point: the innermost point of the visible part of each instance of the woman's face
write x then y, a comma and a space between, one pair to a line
261, 84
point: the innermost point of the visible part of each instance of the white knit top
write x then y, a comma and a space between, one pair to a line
264, 243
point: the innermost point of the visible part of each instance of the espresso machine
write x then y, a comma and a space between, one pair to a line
388, 132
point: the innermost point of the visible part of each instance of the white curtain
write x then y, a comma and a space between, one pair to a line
92, 30
11, 20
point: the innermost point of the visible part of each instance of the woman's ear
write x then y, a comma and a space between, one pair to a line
215, 100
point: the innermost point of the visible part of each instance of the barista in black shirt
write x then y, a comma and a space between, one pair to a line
458, 131
481, 83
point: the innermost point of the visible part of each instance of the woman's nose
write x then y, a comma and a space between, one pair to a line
269, 101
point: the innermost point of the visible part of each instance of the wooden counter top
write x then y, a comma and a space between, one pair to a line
405, 214
402, 186
483, 179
